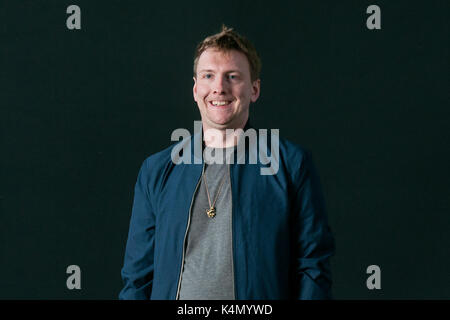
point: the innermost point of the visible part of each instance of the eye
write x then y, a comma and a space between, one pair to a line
207, 76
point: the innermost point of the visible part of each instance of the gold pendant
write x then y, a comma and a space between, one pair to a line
211, 212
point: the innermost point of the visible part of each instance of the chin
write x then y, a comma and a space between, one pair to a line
220, 124
220, 119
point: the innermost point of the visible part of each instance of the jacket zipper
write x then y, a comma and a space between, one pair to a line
185, 234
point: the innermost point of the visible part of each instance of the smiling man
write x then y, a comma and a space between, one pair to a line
220, 229
224, 87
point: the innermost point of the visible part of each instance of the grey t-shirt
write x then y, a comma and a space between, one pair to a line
208, 262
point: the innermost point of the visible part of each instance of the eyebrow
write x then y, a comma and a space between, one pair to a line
210, 70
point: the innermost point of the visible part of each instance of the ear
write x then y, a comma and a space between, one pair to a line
256, 88
194, 89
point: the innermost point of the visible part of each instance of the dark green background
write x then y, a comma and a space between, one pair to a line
81, 109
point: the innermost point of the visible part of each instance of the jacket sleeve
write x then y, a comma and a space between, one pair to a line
314, 240
137, 271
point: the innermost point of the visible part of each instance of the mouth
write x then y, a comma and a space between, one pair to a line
220, 103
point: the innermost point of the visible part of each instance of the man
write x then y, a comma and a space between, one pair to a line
221, 229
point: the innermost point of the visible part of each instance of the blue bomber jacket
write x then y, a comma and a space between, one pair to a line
281, 241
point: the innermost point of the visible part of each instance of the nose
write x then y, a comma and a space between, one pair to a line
219, 85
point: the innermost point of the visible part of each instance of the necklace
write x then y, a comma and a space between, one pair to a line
211, 212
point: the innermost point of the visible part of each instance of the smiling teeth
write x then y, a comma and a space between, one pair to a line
219, 103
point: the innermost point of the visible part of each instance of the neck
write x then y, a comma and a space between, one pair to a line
221, 138
215, 138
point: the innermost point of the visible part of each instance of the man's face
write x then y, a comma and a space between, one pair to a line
223, 89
